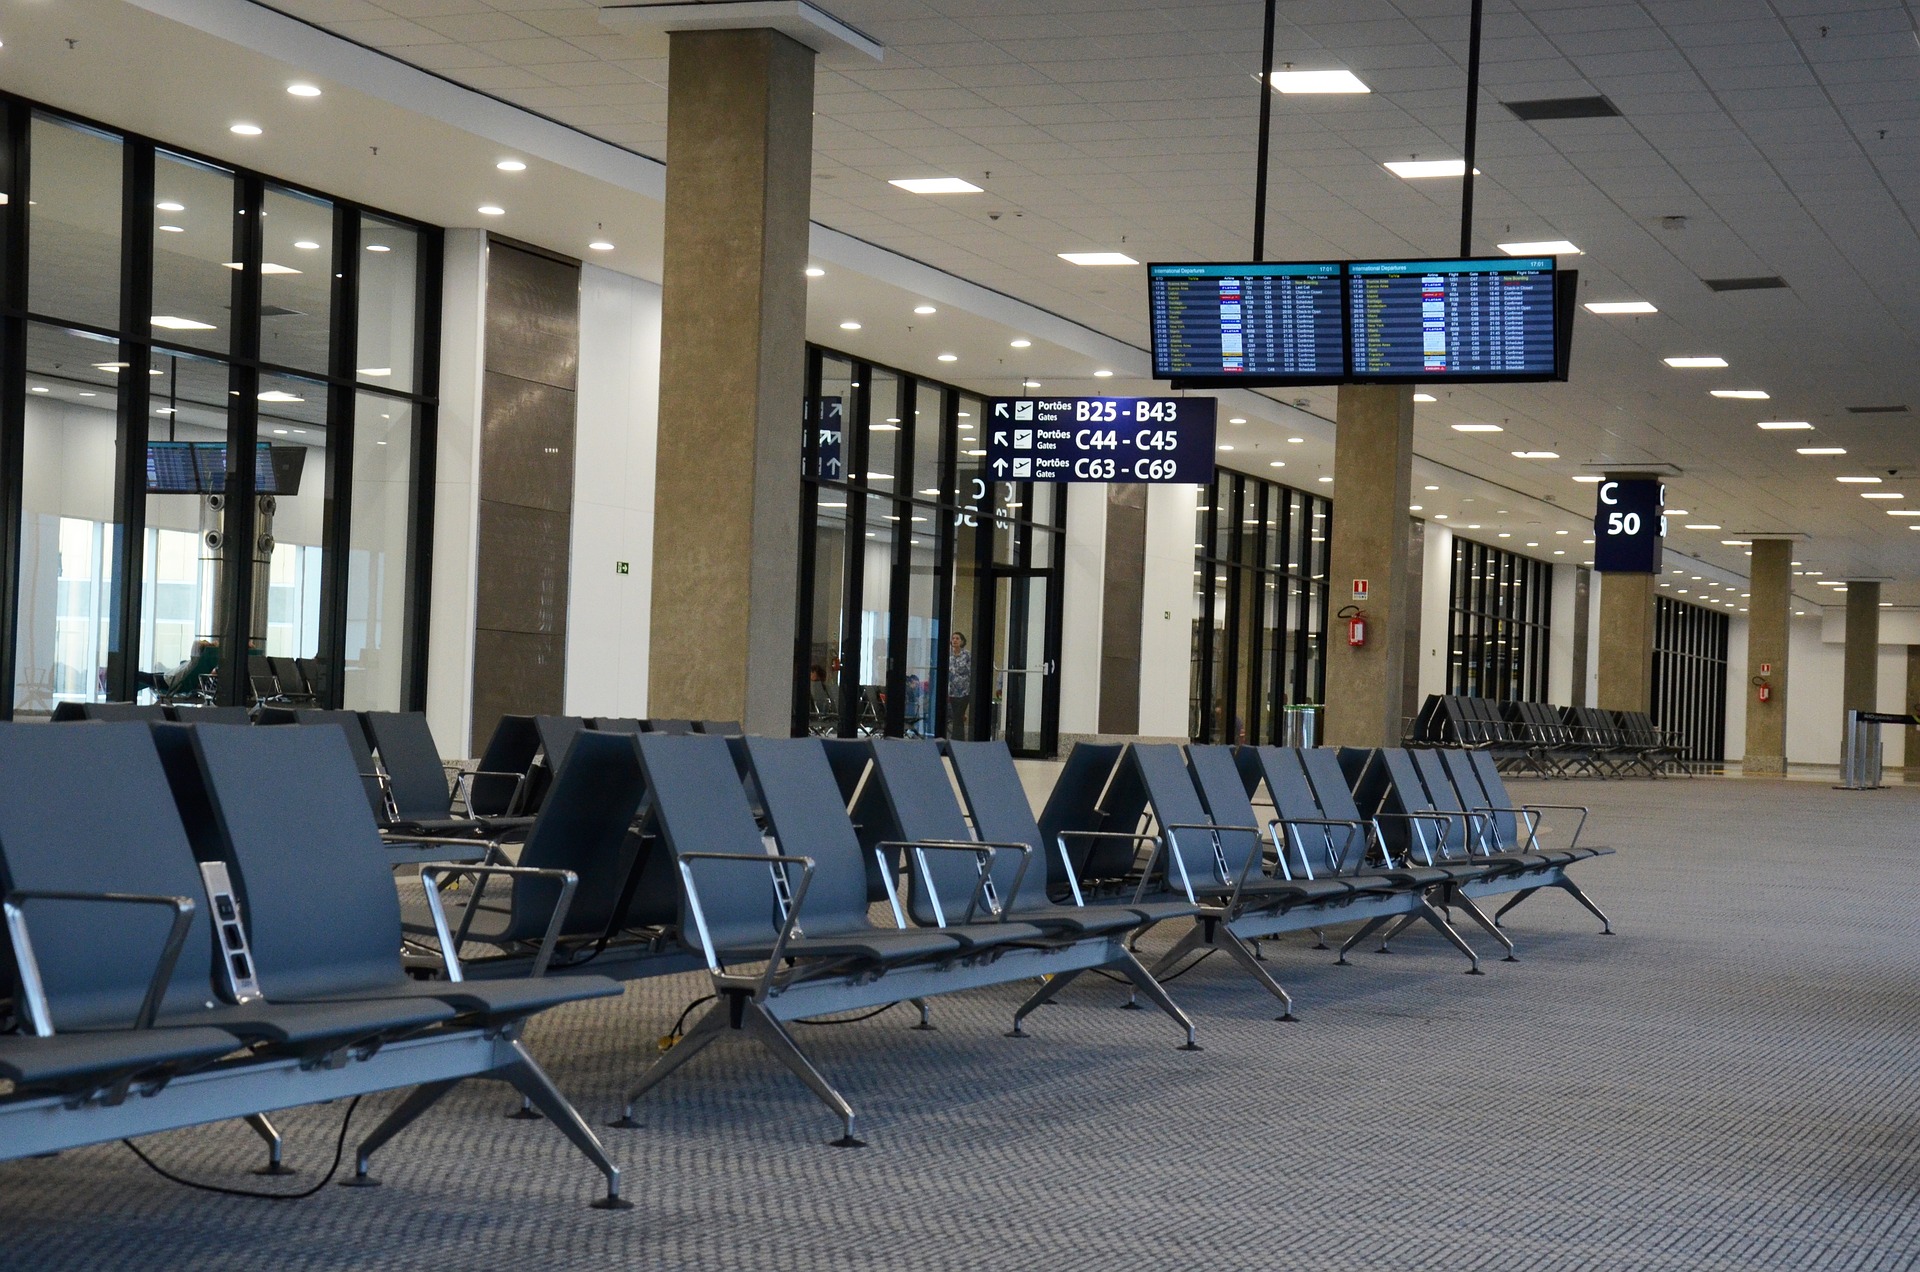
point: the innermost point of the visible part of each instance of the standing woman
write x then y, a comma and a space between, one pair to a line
959, 686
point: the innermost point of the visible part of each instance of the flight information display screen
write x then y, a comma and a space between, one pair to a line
1275, 323
1466, 319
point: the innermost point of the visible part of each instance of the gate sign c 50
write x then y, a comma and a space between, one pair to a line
1102, 439
1628, 526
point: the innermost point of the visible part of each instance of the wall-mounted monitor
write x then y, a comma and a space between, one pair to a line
1219, 325
200, 468
1471, 319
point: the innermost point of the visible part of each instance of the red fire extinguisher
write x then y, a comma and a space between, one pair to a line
1356, 625
1765, 693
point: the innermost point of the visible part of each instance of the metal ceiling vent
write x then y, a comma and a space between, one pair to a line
1769, 282
1876, 410
1563, 108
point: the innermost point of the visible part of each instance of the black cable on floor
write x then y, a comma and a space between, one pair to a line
688, 1011
849, 1020
1121, 980
339, 1151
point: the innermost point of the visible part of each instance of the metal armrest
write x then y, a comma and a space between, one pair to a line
466, 800
1073, 881
1216, 829
450, 943
33, 989
1354, 825
984, 852
1566, 808
1528, 815
791, 904
1444, 820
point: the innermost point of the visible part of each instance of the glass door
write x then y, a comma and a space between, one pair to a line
1019, 697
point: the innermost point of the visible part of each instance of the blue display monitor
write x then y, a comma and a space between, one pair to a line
200, 468
1476, 319
1217, 325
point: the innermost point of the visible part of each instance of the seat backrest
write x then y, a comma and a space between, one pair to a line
1002, 814
1500, 827
322, 914
584, 826
1076, 803
416, 778
616, 724
314, 672
675, 728
1445, 798
121, 712
698, 805
1405, 792
556, 739
1492, 784
353, 727
912, 782
851, 760
1163, 774
287, 674
808, 820
212, 715
721, 728
1310, 850
511, 749
90, 810
1224, 790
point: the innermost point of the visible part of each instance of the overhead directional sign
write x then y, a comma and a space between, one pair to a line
1100, 439
1629, 526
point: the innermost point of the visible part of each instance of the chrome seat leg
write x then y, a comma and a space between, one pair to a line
1054, 985
1573, 890
1238, 951
1157, 994
774, 1037
266, 1131
531, 1081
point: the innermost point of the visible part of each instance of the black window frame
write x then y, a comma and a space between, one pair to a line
1689, 691
1499, 623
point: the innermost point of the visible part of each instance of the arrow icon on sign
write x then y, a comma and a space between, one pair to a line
999, 468
1000, 410
999, 439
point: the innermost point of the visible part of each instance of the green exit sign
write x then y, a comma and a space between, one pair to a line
619, 567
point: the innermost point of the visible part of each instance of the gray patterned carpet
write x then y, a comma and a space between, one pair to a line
1733, 1082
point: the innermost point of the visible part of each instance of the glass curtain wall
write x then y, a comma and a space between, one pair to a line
1260, 600
160, 313
929, 595
1690, 676
1499, 607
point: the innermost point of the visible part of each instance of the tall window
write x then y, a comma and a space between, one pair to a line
1690, 676
160, 315
1498, 611
929, 593
1260, 585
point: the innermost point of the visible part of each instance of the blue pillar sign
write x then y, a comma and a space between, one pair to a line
1101, 439
1628, 526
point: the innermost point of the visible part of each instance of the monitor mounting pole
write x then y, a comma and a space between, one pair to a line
1473, 128
1266, 134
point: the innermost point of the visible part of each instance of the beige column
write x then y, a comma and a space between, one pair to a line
1769, 620
1372, 482
1910, 705
1626, 641
732, 377
1860, 686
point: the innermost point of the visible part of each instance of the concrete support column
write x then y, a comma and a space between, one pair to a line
1912, 758
1626, 641
1769, 618
1860, 686
732, 377
1372, 483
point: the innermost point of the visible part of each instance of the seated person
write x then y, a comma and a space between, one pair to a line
183, 680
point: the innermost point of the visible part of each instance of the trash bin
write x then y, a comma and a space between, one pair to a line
1302, 725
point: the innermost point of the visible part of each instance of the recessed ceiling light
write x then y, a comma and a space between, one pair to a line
1903, 512
600, 245
1276, 463
491, 209
1543, 247
87, 395
1415, 169
1473, 525
1736, 543
1296, 440
281, 432
1749, 395
279, 395
511, 165
244, 130
170, 323
1620, 307
1822, 450
1859, 481
1291, 82
1224, 446
1413, 508
1425, 397
1687, 364
1103, 375
1097, 258
1021, 343
1881, 494
1784, 425
378, 247
1588, 478
925, 309
1478, 428
1326, 479
1536, 454
814, 271
38, 388
849, 326
936, 185
949, 357
375, 372
168, 205
307, 245
1704, 525
172, 229
1237, 419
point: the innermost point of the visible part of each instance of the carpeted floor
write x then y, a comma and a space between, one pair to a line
1733, 1082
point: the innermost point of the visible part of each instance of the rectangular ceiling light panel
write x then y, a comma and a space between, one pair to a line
1318, 82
